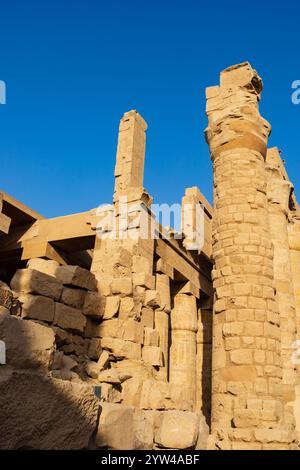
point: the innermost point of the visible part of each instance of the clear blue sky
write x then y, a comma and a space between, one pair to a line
72, 68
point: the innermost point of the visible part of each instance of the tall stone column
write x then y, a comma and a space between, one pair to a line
294, 244
278, 192
204, 347
246, 378
162, 322
183, 349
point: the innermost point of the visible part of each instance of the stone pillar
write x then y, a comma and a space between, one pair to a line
278, 192
162, 322
204, 349
123, 250
196, 221
183, 349
294, 244
130, 159
162, 325
123, 256
246, 365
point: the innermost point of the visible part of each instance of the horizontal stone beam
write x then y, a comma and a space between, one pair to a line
5, 222
166, 250
57, 237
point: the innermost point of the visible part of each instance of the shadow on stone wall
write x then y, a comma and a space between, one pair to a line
38, 411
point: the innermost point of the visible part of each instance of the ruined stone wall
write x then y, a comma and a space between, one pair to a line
91, 341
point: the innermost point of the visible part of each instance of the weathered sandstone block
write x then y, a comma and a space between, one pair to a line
113, 328
121, 349
152, 355
28, 344
151, 337
152, 299
178, 430
37, 307
73, 297
141, 264
35, 282
95, 349
134, 368
143, 280
163, 288
116, 427
203, 434
122, 286
93, 305
147, 317
65, 413
112, 304
144, 422
77, 277
6, 296
43, 265
162, 325
133, 331
103, 361
127, 308
110, 376
156, 395
110, 394
69, 318
92, 369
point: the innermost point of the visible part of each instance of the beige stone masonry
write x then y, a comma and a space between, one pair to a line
279, 192
246, 322
183, 347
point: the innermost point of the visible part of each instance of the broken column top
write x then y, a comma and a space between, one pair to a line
233, 115
242, 75
237, 76
131, 117
130, 159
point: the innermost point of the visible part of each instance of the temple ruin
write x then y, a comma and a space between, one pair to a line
117, 332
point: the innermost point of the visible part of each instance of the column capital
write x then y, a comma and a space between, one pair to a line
234, 120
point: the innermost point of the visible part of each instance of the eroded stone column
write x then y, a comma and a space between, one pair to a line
183, 349
294, 244
278, 192
162, 322
204, 351
246, 378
